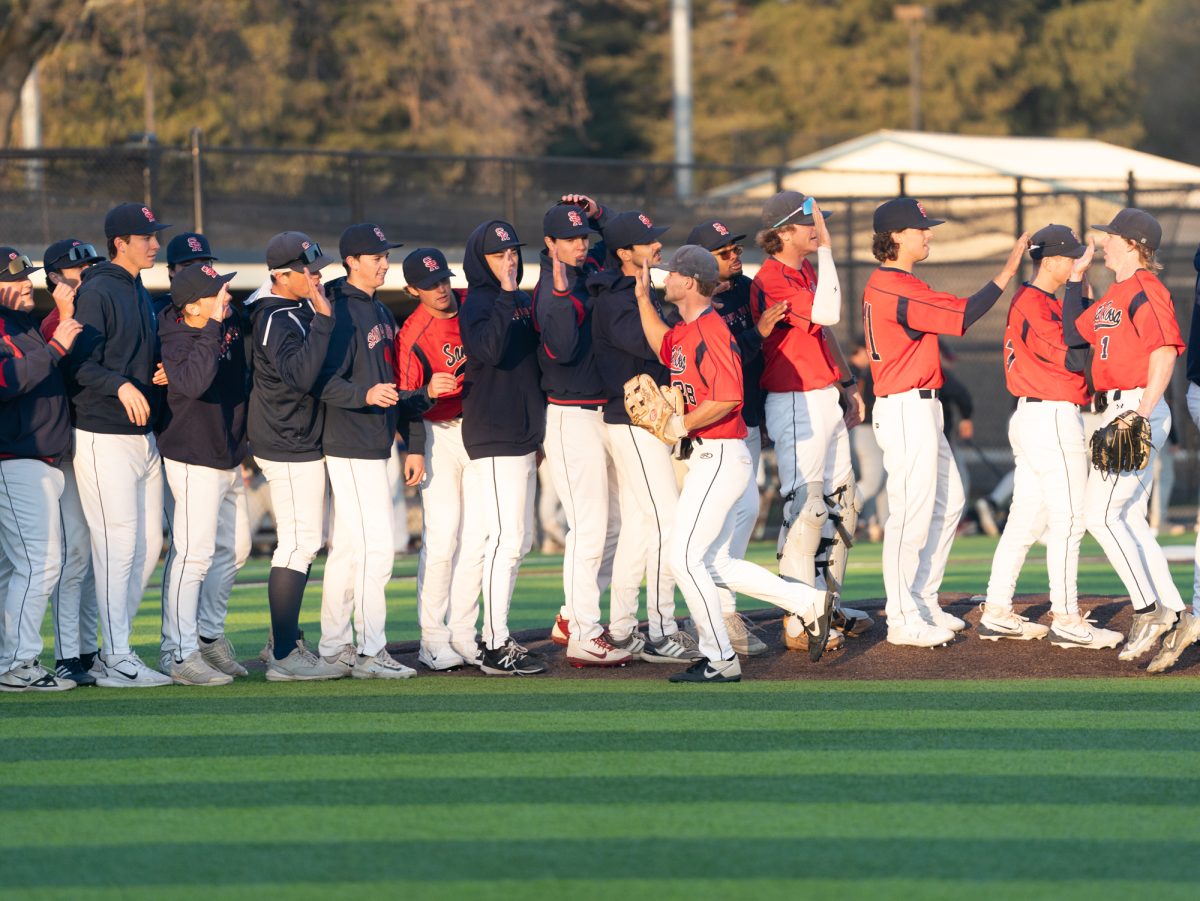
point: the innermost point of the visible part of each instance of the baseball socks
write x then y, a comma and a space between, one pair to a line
285, 593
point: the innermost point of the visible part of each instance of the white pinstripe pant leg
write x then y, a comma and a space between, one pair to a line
1193, 405
298, 508
745, 515
74, 600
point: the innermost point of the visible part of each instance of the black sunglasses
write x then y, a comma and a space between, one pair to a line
309, 255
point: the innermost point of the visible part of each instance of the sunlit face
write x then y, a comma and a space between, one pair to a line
800, 238
913, 243
295, 285
649, 254
140, 251
439, 299
1117, 251
729, 261
569, 251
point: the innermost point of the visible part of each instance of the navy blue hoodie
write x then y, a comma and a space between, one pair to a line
1193, 344
360, 356
504, 409
735, 310
34, 420
290, 345
204, 419
118, 344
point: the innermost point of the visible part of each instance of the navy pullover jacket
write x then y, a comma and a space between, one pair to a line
34, 419
735, 310
1193, 344
504, 409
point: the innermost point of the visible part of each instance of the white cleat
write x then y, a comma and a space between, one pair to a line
919, 635
1074, 630
997, 624
382, 666
441, 658
1149, 625
129, 671
1185, 633
596, 651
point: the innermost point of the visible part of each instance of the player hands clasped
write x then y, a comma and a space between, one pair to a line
902, 317
705, 370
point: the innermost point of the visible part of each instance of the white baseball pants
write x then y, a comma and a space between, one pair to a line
1115, 508
1193, 405
210, 542
395, 471
811, 440
648, 496
450, 569
745, 513
30, 554
298, 505
361, 553
1049, 484
74, 600
504, 491
585, 479
718, 471
121, 490
925, 502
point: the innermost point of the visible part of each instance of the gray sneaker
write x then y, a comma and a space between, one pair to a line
1185, 633
194, 670
219, 654
382, 666
302, 665
32, 676
677, 648
634, 643
267, 654
345, 657
742, 637
1148, 626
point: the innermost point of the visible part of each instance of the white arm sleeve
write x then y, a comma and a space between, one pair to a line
827, 301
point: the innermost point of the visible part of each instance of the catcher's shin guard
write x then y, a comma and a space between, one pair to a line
845, 504
799, 545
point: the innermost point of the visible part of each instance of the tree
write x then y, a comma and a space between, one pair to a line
1169, 105
29, 31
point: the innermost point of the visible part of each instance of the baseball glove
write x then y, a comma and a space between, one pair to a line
657, 410
1123, 445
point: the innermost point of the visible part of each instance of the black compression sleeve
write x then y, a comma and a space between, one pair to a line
980, 302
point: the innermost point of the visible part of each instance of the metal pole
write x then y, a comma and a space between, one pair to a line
1083, 216
31, 127
1130, 190
855, 310
681, 58
197, 185
913, 15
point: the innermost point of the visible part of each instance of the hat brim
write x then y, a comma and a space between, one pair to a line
192, 258
577, 231
712, 246
154, 229
504, 245
222, 280
656, 232
20, 276
429, 279
315, 266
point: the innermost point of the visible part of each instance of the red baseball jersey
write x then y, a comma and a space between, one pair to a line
902, 317
1035, 352
796, 356
425, 345
1133, 318
705, 365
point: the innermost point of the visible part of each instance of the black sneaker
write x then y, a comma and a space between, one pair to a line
87, 661
510, 659
707, 671
75, 669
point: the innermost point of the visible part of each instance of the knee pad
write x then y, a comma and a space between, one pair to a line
798, 554
845, 504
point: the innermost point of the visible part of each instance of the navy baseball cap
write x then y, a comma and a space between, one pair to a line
1134, 225
295, 251
693, 261
69, 253
901, 213
787, 208
566, 221
500, 236
425, 267
193, 283
187, 247
1055, 241
366, 237
131, 219
630, 228
16, 266
713, 235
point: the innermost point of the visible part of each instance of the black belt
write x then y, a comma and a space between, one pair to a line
928, 393
592, 407
1031, 400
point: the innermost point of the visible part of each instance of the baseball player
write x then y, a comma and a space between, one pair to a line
902, 317
504, 422
202, 440
362, 408
117, 465
450, 568
1135, 341
187, 248
703, 357
1043, 368
808, 381
645, 475
35, 433
577, 448
292, 328
74, 599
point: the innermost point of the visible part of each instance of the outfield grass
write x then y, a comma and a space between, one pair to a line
475, 787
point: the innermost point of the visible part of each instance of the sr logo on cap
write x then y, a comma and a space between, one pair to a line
12, 256
209, 271
379, 233
149, 215
305, 245
574, 218
194, 245
922, 209
645, 220
430, 264
502, 234
720, 229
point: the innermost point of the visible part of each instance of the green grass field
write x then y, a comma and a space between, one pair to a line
476, 787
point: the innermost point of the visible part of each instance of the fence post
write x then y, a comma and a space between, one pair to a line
1083, 216
780, 174
510, 191
1019, 201
903, 185
197, 184
1130, 190
357, 212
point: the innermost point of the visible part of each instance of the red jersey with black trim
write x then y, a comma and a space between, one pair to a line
902, 317
796, 355
705, 365
425, 345
1133, 318
1035, 352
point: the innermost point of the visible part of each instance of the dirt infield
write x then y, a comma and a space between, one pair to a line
870, 657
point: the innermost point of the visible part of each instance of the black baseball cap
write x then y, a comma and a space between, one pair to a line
500, 235
131, 219
366, 237
1055, 241
693, 261
1135, 225
11, 257
188, 247
565, 220
901, 213
713, 235
295, 251
630, 228
69, 253
787, 208
425, 267
193, 283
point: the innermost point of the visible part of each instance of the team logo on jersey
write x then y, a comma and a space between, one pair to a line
194, 245
225, 349
720, 229
1106, 316
678, 360
430, 264
645, 220
379, 234
380, 332
502, 234
149, 215
453, 354
574, 218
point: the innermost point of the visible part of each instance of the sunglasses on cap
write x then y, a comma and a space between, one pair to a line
729, 252
78, 254
19, 265
806, 208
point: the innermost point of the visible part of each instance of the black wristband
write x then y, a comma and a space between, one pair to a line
849, 383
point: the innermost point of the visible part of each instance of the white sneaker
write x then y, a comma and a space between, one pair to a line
939, 617
194, 670
997, 624
1149, 625
596, 651
440, 658
32, 676
1185, 633
469, 651
919, 635
129, 671
345, 657
381, 666
1075, 630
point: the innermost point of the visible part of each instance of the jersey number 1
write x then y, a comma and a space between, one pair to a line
1104, 347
